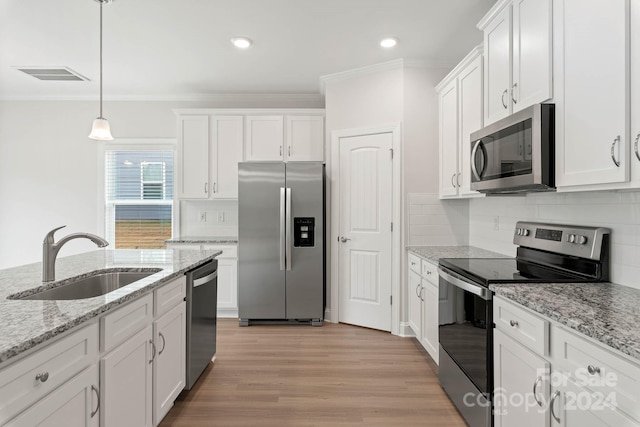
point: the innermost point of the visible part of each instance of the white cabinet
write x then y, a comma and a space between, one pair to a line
635, 92
460, 95
592, 101
126, 382
284, 138
519, 372
169, 363
517, 56
423, 303
210, 149
74, 404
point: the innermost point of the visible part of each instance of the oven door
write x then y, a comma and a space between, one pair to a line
467, 335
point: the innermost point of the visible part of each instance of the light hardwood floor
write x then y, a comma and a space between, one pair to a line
335, 375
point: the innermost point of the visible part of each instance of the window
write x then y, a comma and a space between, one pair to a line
138, 197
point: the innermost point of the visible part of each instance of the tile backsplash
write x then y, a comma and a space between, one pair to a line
212, 218
492, 221
435, 222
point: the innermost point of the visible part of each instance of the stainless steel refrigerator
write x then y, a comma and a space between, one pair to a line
281, 242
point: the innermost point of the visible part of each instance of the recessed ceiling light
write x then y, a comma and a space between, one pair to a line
241, 42
388, 42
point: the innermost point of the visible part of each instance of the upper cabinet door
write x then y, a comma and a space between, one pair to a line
635, 91
470, 108
532, 58
227, 140
193, 135
449, 140
304, 138
497, 57
264, 138
592, 103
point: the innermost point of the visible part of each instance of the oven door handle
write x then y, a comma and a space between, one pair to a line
459, 282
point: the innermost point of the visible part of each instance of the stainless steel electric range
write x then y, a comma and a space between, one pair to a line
546, 253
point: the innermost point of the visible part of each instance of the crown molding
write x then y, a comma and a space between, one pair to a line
493, 12
471, 56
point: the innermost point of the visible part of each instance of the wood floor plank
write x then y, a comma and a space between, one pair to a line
336, 375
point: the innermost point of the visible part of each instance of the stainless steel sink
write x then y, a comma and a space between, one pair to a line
92, 286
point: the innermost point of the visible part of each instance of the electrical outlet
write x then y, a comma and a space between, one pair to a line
221, 216
496, 223
203, 217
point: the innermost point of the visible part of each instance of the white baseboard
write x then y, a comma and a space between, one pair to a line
327, 316
405, 330
228, 313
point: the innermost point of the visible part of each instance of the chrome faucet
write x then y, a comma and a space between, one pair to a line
50, 250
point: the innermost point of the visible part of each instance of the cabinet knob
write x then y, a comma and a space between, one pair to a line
593, 369
513, 323
42, 377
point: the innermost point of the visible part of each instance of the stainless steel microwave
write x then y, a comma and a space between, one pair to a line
515, 154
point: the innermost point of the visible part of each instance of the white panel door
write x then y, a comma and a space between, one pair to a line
264, 138
227, 140
532, 82
497, 57
304, 138
414, 294
635, 91
470, 117
126, 381
591, 114
194, 149
170, 363
449, 140
365, 255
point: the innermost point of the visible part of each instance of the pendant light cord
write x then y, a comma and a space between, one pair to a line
101, 2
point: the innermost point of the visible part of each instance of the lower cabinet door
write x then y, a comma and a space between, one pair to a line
169, 365
521, 384
430, 319
126, 379
228, 285
415, 303
74, 404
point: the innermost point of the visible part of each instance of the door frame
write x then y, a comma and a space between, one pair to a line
396, 249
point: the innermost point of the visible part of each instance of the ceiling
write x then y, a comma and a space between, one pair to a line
180, 49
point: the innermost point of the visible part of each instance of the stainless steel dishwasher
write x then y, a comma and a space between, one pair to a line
202, 302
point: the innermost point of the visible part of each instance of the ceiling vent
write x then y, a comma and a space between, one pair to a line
53, 74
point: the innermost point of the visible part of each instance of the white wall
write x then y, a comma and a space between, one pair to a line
435, 222
214, 210
49, 168
619, 211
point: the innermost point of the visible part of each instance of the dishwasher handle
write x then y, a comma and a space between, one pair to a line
205, 279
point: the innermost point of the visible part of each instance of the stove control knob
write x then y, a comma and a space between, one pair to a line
582, 240
518, 231
525, 232
571, 238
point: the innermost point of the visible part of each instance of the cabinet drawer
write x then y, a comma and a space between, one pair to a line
169, 295
526, 328
228, 251
31, 378
598, 369
414, 263
121, 324
429, 272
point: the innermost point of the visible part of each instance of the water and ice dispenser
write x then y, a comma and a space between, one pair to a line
304, 232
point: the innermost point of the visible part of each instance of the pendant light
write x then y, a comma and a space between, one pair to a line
100, 129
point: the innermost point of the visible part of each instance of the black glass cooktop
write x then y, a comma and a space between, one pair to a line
507, 270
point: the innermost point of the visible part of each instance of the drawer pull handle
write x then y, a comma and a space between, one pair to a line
428, 273
593, 369
513, 323
551, 405
43, 377
95, 390
163, 343
413, 263
535, 393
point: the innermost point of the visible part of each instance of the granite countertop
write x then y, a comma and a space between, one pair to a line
27, 323
434, 253
604, 311
204, 239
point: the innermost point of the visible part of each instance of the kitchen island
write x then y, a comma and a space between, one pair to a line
25, 324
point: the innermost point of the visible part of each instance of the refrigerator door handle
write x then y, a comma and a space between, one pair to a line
289, 230
282, 228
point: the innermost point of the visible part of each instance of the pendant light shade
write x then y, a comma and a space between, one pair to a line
100, 129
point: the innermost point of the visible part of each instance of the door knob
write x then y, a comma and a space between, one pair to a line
344, 239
